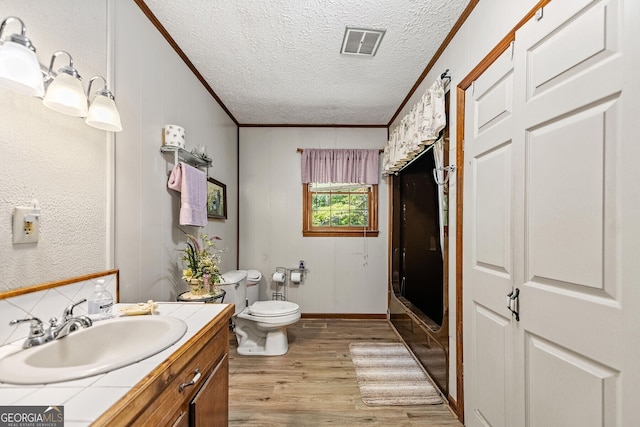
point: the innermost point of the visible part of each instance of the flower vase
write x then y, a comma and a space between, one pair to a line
196, 287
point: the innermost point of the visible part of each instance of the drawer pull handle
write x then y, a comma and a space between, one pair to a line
195, 379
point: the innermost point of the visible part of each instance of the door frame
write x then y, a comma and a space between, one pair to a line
461, 88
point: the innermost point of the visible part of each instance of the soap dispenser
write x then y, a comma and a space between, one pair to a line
100, 303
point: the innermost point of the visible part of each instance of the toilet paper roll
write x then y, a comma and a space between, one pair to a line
278, 277
173, 135
296, 277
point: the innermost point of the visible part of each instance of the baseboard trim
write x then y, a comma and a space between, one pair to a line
453, 404
361, 316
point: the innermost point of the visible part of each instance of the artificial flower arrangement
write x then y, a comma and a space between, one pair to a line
202, 259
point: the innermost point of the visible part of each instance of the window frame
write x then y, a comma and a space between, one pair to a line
308, 230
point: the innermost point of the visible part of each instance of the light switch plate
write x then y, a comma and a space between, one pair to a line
23, 231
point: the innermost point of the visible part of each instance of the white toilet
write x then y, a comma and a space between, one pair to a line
261, 327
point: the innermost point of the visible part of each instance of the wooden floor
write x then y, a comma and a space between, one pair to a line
315, 383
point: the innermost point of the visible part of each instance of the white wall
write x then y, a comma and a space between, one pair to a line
271, 223
65, 165
52, 157
486, 26
154, 88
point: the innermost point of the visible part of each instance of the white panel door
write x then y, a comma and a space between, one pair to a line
552, 208
567, 118
488, 243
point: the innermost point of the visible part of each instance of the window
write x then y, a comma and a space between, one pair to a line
340, 210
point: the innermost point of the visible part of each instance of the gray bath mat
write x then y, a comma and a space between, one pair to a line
387, 374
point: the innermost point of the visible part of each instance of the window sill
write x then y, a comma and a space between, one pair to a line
341, 233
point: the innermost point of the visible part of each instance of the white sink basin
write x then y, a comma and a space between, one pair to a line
107, 345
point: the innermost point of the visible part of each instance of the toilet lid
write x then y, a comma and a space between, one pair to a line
254, 275
273, 308
233, 277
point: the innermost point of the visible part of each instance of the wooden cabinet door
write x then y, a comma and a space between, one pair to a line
182, 421
210, 406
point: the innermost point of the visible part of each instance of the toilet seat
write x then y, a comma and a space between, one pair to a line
273, 308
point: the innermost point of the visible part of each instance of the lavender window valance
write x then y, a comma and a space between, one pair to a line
340, 166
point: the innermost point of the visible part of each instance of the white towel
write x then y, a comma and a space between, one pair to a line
192, 184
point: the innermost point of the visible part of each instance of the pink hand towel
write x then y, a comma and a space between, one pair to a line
192, 184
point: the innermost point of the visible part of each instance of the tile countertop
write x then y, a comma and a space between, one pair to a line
84, 400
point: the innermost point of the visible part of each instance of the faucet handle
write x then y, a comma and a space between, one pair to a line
37, 334
36, 325
68, 312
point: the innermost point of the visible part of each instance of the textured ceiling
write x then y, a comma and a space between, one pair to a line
279, 61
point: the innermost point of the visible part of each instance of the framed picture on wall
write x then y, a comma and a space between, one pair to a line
216, 199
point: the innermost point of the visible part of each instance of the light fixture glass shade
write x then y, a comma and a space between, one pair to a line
20, 69
103, 114
65, 95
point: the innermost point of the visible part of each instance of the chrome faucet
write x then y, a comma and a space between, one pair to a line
73, 324
57, 329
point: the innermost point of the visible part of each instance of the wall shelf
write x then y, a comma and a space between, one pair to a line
187, 157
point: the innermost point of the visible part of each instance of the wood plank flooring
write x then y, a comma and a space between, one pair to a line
315, 382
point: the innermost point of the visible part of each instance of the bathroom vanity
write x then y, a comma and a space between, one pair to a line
184, 385
188, 388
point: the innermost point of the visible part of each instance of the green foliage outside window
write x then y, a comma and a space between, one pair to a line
340, 205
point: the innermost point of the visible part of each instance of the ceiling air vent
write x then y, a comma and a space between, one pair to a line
358, 41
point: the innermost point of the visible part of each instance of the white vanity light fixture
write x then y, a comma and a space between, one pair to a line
103, 113
62, 89
19, 66
64, 92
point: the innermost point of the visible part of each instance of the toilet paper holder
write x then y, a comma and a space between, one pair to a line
296, 275
283, 277
280, 276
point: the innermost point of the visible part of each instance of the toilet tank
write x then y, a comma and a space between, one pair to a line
234, 283
253, 286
